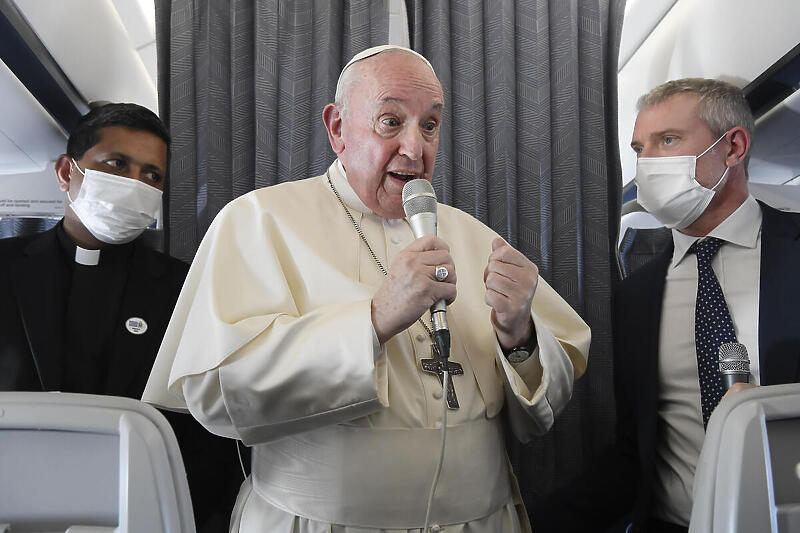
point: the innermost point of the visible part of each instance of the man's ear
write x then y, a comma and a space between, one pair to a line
63, 168
740, 145
332, 117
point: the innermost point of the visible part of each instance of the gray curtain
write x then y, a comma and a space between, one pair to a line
242, 84
529, 146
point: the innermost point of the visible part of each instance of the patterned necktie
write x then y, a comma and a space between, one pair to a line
712, 325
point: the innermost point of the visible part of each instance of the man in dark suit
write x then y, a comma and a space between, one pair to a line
85, 305
728, 275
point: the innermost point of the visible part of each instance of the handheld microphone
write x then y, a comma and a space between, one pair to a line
419, 204
734, 364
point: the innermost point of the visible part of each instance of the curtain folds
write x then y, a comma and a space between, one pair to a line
529, 146
241, 86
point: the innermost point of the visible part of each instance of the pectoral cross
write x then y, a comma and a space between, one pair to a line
436, 365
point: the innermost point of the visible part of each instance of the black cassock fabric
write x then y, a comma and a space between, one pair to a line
93, 300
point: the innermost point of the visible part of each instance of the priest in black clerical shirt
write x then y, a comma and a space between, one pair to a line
84, 306
96, 284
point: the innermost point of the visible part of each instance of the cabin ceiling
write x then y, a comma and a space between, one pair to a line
105, 49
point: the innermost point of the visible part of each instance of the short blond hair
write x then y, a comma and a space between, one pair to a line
720, 105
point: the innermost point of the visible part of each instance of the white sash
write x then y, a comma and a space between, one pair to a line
380, 478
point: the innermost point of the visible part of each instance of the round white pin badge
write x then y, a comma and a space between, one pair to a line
136, 325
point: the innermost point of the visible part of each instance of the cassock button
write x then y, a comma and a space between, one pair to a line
437, 394
420, 337
136, 325
395, 240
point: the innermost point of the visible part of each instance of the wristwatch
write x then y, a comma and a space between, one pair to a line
518, 354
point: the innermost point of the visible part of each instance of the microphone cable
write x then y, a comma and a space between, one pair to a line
445, 382
241, 461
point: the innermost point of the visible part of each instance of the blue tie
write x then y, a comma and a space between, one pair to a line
712, 325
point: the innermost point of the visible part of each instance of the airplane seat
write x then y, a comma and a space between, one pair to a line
18, 227
641, 237
748, 473
81, 463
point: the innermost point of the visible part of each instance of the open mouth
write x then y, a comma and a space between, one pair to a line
403, 176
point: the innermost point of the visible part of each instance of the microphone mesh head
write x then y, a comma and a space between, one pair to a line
418, 197
733, 358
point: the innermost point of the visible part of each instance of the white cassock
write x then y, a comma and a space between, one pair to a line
272, 342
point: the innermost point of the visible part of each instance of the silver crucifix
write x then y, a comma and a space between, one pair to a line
435, 365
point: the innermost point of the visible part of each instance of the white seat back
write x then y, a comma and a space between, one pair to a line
748, 474
84, 463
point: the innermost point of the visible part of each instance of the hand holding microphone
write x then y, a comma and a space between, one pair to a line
419, 204
411, 286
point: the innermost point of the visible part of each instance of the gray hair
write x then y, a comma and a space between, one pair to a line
343, 88
721, 106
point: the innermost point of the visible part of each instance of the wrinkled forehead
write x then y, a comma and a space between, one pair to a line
676, 111
406, 87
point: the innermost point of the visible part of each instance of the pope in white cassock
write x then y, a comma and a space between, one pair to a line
303, 329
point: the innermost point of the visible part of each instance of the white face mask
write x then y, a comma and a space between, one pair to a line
114, 209
667, 188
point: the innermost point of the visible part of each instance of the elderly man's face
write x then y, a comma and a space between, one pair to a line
672, 128
390, 129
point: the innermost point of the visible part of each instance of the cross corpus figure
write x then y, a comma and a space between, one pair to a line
435, 365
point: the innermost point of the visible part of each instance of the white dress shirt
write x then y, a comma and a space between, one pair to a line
681, 433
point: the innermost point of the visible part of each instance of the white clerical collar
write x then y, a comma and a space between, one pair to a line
87, 257
349, 196
740, 228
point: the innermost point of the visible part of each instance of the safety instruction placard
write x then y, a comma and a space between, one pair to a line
34, 194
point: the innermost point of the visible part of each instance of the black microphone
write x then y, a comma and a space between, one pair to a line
419, 204
734, 364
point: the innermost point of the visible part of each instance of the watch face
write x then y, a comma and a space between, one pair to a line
517, 356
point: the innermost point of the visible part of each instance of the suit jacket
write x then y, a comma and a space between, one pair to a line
32, 306
621, 481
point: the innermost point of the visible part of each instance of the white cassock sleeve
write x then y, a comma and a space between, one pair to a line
320, 371
248, 362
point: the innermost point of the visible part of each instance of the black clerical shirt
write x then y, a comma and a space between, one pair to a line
92, 296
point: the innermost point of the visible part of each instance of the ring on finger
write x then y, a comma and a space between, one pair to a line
441, 273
